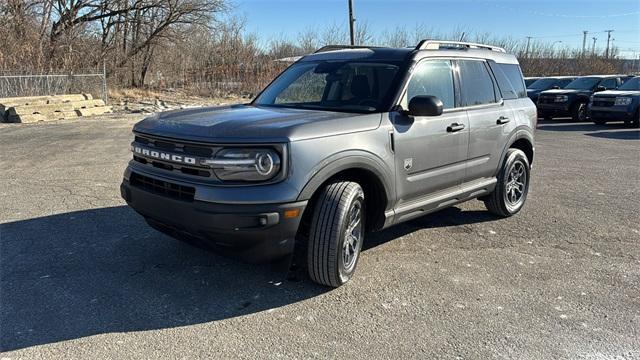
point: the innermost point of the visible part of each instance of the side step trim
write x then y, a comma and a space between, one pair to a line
433, 202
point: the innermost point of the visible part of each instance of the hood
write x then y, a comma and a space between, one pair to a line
615, 93
247, 123
566, 92
533, 91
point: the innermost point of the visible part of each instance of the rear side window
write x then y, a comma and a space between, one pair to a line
510, 80
433, 77
476, 83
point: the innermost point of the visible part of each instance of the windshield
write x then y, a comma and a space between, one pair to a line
585, 83
347, 86
633, 84
542, 84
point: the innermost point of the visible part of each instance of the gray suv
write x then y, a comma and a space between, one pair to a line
346, 141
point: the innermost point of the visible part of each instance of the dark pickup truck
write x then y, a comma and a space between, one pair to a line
572, 101
547, 83
622, 104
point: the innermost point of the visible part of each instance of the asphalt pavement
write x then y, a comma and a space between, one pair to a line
82, 276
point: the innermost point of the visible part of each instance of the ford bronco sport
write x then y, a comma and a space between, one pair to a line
345, 141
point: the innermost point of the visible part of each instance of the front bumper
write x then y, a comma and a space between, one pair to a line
554, 110
253, 232
612, 113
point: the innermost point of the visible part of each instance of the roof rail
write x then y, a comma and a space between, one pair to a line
427, 44
342, 47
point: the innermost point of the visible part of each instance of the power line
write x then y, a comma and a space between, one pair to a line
539, 13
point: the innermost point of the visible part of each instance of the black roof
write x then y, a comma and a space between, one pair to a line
370, 53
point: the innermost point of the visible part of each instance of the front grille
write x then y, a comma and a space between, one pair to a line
604, 102
161, 187
175, 146
173, 167
546, 100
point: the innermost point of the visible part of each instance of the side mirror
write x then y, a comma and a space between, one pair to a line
425, 105
601, 88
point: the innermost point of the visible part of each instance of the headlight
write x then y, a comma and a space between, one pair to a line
561, 98
623, 101
238, 164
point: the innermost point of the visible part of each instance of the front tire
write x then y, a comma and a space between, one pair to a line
510, 194
579, 112
336, 233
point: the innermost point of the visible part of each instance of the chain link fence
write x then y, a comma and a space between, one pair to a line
19, 83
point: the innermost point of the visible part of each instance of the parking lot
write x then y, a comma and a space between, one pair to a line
83, 276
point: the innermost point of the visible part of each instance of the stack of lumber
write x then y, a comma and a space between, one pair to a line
55, 107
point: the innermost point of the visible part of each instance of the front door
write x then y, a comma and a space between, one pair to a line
430, 152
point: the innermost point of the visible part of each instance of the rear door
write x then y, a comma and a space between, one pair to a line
430, 153
490, 118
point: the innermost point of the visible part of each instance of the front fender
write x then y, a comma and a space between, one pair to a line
346, 160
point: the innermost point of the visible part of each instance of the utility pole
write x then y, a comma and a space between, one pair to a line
606, 54
352, 21
584, 42
593, 49
526, 51
612, 47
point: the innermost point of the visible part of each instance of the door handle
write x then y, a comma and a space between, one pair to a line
455, 127
502, 120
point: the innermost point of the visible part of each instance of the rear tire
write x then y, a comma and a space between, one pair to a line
510, 194
336, 233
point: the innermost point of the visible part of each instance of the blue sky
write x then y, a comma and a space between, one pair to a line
560, 20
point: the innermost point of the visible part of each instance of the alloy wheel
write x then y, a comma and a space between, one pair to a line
352, 237
516, 184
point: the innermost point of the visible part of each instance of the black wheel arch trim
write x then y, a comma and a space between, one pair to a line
349, 160
521, 132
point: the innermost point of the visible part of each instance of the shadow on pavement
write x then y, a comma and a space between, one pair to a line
104, 270
452, 216
578, 126
617, 135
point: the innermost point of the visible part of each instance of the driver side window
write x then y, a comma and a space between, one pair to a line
432, 77
609, 84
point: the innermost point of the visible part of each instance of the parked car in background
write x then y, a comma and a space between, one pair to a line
622, 104
530, 80
547, 83
572, 101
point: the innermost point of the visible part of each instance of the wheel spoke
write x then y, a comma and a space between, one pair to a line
352, 235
